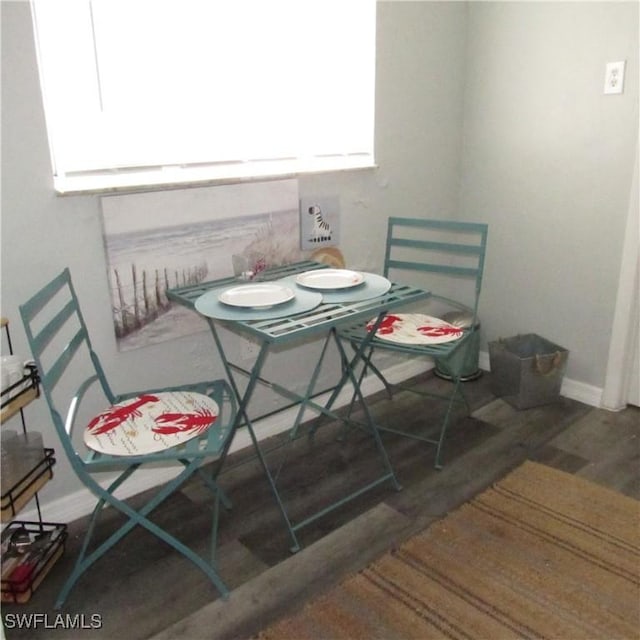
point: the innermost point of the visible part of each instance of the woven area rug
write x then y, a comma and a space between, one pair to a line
542, 554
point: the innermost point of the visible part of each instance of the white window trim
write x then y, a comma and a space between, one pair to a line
166, 177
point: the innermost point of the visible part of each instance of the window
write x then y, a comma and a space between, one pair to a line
144, 92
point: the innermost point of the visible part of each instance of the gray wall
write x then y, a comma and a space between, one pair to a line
547, 162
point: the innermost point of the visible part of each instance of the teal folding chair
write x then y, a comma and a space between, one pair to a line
446, 258
184, 426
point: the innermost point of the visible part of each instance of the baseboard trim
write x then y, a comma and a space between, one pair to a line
80, 503
572, 389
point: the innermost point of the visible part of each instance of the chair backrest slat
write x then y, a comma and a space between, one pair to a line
427, 223
445, 247
37, 302
42, 339
433, 268
52, 376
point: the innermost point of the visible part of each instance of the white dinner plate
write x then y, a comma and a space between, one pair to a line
330, 279
256, 295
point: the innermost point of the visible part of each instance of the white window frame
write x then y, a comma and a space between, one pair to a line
304, 103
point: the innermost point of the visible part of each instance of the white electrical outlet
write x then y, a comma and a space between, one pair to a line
614, 77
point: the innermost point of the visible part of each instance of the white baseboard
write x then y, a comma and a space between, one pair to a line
80, 503
582, 392
573, 389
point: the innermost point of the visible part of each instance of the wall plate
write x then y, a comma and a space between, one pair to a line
614, 77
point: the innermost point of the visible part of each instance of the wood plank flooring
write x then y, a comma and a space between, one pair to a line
145, 590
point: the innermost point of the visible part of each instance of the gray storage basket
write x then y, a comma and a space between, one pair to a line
527, 370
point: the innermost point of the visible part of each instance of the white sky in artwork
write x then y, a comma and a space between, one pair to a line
135, 212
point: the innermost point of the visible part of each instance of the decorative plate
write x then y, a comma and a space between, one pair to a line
264, 294
331, 256
415, 328
150, 423
328, 279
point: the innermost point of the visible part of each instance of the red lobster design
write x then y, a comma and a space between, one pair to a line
437, 331
180, 422
386, 326
113, 418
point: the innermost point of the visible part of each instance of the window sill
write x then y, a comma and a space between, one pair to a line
129, 181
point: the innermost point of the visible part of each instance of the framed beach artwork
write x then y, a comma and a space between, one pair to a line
160, 240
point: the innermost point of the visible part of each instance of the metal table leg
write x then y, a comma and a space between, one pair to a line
305, 401
242, 414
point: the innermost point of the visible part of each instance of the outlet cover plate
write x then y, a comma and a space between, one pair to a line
614, 77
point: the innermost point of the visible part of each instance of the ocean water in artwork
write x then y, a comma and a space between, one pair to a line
144, 263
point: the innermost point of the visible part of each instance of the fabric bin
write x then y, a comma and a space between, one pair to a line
527, 370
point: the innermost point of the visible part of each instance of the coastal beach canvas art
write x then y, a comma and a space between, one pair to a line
160, 240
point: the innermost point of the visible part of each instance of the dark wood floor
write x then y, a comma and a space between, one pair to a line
145, 590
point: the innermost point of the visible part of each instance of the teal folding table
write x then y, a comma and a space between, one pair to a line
310, 313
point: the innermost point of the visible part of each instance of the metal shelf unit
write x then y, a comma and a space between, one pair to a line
24, 569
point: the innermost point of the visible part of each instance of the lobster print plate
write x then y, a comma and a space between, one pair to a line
150, 423
415, 328
328, 279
